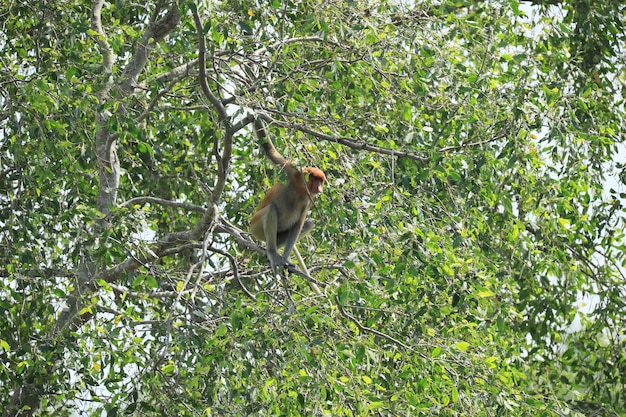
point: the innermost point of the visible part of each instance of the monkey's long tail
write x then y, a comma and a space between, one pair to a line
313, 285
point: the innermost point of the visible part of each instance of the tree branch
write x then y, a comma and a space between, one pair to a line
156, 30
217, 104
366, 329
349, 142
105, 47
160, 201
223, 161
473, 144
176, 73
163, 27
233, 265
108, 164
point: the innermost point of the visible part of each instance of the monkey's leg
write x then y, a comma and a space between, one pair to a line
270, 227
307, 226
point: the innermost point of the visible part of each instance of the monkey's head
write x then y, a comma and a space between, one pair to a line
315, 180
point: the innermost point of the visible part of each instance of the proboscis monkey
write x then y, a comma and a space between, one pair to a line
280, 219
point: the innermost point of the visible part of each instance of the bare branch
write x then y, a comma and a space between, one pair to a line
366, 329
223, 161
108, 163
362, 145
162, 202
141, 295
155, 100
176, 73
242, 123
349, 142
473, 144
282, 42
233, 264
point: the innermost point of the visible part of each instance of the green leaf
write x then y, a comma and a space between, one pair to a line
4, 345
462, 346
221, 330
486, 293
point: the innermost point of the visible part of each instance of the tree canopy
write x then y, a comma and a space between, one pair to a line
468, 245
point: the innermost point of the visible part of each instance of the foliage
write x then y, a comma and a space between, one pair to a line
469, 244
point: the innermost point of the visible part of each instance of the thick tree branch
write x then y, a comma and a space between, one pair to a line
160, 250
223, 161
176, 73
108, 164
157, 30
217, 104
163, 27
105, 47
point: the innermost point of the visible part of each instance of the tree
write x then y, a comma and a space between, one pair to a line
467, 148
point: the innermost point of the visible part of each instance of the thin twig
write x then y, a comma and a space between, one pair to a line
233, 264
366, 329
350, 143
163, 202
